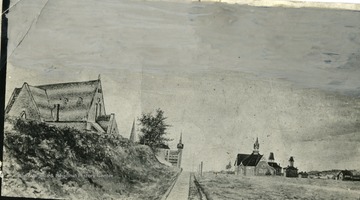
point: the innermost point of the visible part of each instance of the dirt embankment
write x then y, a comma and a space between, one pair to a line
44, 161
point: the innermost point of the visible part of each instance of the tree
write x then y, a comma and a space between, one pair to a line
153, 129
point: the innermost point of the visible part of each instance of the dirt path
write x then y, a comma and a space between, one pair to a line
181, 187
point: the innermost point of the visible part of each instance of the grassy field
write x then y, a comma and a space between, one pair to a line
224, 186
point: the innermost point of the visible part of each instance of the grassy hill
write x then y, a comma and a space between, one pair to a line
47, 161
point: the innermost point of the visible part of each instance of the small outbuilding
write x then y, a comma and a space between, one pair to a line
303, 175
344, 175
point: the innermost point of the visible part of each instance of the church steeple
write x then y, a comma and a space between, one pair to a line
256, 146
180, 145
133, 134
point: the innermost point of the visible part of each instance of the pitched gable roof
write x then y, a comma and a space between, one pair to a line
346, 173
103, 121
252, 160
75, 98
248, 159
42, 102
241, 157
274, 165
12, 99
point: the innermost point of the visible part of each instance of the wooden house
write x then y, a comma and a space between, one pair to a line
78, 105
344, 175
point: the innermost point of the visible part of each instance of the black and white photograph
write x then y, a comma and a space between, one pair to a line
180, 99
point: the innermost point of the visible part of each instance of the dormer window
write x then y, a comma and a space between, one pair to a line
79, 101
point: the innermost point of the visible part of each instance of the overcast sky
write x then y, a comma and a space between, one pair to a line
223, 74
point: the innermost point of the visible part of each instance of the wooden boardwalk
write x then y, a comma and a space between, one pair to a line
180, 190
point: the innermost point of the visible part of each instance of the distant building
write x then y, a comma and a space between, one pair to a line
273, 164
345, 175
290, 170
253, 164
303, 175
78, 105
172, 156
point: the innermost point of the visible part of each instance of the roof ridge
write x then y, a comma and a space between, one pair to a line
63, 83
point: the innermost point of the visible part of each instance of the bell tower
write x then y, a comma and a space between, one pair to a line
291, 161
180, 147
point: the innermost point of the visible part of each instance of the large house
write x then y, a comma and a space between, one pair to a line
253, 164
78, 105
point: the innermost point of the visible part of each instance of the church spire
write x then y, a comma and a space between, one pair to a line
180, 145
180, 141
256, 146
133, 134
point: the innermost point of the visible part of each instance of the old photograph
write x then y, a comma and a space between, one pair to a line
181, 99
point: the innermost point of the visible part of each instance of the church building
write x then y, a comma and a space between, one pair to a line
78, 105
253, 164
171, 155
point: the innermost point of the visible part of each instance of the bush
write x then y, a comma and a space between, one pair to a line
43, 147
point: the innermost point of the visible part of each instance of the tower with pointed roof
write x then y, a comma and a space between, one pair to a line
171, 155
271, 157
290, 170
273, 164
291, 161
133, 133
180, 147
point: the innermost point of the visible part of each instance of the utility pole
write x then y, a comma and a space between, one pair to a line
201, 168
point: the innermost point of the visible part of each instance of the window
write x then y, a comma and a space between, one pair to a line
79, 101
